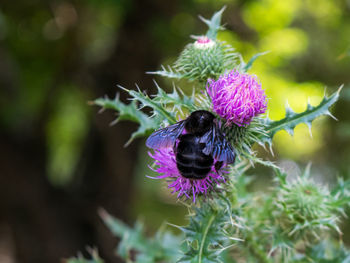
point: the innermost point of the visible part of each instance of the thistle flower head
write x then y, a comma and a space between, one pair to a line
164, 160
237, 97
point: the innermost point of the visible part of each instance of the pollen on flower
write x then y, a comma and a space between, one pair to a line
164, 160
237, 97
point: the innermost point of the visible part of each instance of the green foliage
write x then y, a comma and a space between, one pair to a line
214, 24
327, 252
247, 66
307, 209
80, 259
168, 73
286, 224
283, 224
242, 138
157, 107
129, 112
207, 233
292, 119
178, 99
135, 247
164, 108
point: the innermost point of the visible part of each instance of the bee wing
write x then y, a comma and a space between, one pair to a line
223, 150
208, 141
165, 137
218, 146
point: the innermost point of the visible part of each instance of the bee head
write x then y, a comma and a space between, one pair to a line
199, 122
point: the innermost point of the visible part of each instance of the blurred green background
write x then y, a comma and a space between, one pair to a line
60, 160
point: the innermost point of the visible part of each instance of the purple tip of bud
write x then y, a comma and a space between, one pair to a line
204, 42
237, 97
165, 162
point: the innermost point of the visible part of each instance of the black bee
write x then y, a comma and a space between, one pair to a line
197, 141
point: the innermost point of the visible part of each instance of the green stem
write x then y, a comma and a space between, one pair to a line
211, 220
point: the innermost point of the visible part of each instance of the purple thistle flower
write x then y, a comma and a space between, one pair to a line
237, 97
165, 161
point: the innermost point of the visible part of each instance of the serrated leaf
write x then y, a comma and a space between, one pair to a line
204, 234
80, 259
130, 112
168, 73
281, 176
146, 101
292, 119
214, 24
341, 196
281, 244
164, 247
254, 159
177, 100
246, 66
161, 106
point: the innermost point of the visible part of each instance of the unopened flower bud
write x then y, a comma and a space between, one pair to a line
205, 58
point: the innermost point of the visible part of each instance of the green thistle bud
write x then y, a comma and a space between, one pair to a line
242, 138
235, 134
306, 209
205, 58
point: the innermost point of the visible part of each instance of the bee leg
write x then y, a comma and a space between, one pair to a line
218, 166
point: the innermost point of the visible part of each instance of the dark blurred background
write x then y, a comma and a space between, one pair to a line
60, 160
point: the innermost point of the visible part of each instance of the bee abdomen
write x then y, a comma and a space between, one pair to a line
193, 172
191, 162
194, 166
194, 161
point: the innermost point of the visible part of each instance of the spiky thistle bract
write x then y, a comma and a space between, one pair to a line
293, 221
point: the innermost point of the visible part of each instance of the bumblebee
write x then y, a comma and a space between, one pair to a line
198, 144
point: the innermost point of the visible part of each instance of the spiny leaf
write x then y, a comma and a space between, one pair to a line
205, 234
327, 252
281, 177
168, 73
159, 104
130, 112
292, 119
214, 23
179, 101
281, 244
246, 66
145, 101
80, 259
164, 247
254, 159
341, 196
